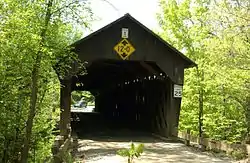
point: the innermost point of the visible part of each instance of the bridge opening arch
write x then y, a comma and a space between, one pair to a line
127, 96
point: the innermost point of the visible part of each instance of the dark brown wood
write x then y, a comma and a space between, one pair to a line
163, 109
149, 68
169, 106
187, 139
65, 102
135, 93
147, 46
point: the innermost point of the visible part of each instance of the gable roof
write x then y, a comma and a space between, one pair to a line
189, 61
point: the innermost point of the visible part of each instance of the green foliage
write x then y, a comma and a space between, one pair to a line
215, 34
24, 35
238, 154
132, 152
68, 158
82, 95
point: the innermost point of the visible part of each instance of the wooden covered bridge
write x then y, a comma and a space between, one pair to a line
135, 76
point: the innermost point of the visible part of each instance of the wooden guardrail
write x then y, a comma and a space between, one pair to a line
209, 144
60, 148
214, 145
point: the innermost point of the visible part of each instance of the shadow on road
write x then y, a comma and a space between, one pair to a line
101, 146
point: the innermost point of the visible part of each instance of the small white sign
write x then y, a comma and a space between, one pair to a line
177, 91
124, 32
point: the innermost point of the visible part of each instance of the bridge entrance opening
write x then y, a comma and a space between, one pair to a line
82, 101
128, 95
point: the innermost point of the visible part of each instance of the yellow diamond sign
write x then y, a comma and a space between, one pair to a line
124, 49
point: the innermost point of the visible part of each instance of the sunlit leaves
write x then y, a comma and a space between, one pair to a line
215, 34
132, 152
21, 23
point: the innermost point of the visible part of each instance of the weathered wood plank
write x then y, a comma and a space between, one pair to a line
214, 145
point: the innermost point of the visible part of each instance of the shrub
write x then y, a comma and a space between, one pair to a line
132, 152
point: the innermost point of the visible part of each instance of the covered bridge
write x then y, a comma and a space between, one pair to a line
135, 76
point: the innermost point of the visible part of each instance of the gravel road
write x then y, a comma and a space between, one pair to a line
102, 147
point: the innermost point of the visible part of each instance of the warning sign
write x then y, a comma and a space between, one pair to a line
124, 49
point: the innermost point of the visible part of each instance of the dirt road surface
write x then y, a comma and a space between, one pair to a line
102, 148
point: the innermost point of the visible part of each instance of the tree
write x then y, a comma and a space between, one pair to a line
86, 96
34, 35
215, 34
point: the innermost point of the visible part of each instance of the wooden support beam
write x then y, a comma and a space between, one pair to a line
149, 68
173, 111
151, 106
169, 105
65, 101
162, 108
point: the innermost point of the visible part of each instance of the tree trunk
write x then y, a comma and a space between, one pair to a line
5, 151
34, 88
248, 119
200, 78
201, 93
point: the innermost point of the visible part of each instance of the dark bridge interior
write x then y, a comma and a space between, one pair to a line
128, 95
